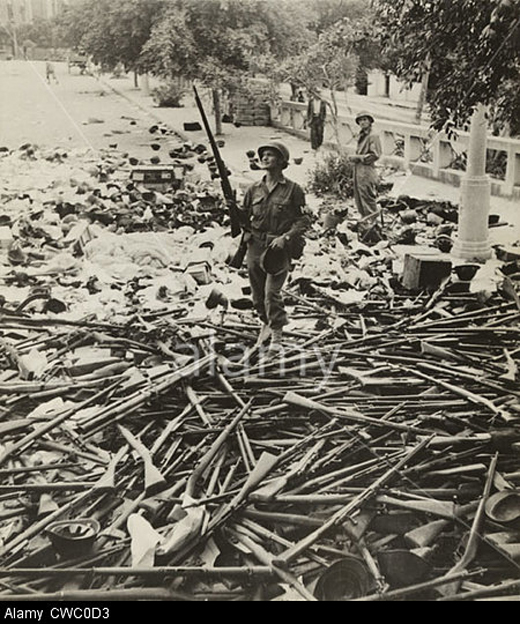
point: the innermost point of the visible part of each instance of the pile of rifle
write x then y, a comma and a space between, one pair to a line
358, 464
148, 456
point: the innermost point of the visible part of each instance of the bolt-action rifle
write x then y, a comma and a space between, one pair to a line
227, 191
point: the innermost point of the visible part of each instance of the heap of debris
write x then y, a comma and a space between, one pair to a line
150, 451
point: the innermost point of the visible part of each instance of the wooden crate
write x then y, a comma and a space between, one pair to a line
425, 271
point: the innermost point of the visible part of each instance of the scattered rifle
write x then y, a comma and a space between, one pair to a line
152, 475
474, 534
229, 194
340, 516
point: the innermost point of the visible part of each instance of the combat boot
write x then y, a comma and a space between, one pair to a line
276, 338
275, 346
265, 333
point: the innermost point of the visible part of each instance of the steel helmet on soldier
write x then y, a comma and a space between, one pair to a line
279, 147
364, 114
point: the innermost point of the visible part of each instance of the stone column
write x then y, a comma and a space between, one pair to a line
472, 241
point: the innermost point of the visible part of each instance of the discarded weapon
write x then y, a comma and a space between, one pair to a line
471, 546
222, 171
269, 559
152, 475
213, 450
265, 464
134, 593
496, 439
165, 571
293, 398
405, 592
38, 433
347, 511
37, 527
471, 396
122, 407
499, 591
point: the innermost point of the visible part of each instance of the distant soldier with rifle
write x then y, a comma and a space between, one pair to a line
274, 211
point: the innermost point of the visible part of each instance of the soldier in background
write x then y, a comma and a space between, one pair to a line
366, 177
316, 114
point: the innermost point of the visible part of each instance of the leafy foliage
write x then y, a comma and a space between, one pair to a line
220, 41
171, 49
332, 177
472, 47
112, 32
168, 95
322, 14
42, 33
330, 63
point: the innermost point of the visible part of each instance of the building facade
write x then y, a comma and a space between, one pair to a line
17, 13
26, 11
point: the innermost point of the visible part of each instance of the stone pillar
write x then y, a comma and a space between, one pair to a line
472, 241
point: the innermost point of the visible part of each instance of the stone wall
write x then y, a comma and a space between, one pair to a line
251, 109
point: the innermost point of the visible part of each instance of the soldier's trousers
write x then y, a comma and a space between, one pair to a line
266, 288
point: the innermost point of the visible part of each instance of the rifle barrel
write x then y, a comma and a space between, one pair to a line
222, 170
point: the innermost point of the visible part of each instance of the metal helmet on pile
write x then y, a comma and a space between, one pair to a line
279, 147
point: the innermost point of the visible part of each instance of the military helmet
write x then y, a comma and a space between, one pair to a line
274, 260
279, 147
362, 114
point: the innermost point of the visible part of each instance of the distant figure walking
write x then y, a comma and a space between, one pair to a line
50, 73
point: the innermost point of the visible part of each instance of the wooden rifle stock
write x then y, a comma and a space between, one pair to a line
238, 259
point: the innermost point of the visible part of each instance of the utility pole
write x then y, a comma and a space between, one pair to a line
472, 241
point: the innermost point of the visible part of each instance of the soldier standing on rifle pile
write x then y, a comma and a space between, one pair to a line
274, 210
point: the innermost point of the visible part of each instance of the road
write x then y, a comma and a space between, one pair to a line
77, 112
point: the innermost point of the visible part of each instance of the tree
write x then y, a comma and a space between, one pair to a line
330, 63
221, 43
112, 32
42, 33
472, 47
171, 50
322, 14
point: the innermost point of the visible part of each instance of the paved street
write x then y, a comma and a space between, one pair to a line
77, 112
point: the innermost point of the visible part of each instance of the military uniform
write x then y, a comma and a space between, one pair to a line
366, 177
270, 214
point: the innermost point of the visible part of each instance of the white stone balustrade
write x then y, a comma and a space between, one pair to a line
425, 152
